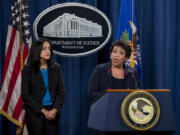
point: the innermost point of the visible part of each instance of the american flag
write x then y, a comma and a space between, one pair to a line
10, 95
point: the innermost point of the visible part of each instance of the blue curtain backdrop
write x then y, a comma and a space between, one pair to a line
158, 26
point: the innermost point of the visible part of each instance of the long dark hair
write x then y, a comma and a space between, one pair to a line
34, 54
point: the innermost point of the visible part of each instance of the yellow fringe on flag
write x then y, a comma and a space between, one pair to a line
132, 65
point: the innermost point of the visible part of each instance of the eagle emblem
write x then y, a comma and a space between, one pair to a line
138, 108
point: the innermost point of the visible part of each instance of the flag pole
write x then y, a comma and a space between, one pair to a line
132, 10
132, 42
21, 35
19, 129
132, 21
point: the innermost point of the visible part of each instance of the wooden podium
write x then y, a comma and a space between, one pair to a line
105, 114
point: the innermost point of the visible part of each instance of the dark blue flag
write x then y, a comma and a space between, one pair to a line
127, 31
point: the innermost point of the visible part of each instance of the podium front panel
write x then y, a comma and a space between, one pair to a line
105, 113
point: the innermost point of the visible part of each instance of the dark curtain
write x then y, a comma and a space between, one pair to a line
159, 36
158, 24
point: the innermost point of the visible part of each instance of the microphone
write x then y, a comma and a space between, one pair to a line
134, 78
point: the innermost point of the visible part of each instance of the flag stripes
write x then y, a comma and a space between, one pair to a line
11, 104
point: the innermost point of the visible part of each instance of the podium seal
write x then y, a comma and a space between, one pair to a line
140, 110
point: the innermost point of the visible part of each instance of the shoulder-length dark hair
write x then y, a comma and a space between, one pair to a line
34, 54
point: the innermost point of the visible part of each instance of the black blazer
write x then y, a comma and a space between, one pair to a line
101, 80
33, 89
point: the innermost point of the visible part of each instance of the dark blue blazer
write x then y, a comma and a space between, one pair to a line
101, 80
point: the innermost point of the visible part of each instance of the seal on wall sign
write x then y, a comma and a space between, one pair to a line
74, 29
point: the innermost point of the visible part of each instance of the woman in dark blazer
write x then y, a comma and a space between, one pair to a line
114, 75
42, 90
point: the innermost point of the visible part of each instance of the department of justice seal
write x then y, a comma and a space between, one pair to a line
140, 110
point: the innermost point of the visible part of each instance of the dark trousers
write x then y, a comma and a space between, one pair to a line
39, 125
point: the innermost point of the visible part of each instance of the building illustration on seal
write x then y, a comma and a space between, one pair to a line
71, 26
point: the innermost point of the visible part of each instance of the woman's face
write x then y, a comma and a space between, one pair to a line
46, 51
118, 56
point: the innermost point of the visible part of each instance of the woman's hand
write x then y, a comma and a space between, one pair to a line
45, 112
52, 114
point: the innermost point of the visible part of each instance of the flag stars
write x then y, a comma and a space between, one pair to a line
23, 7
25, 15
16, 3
16, 11
17, 19
26, 23
13, 14
26, 32
27, 41
12, 8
